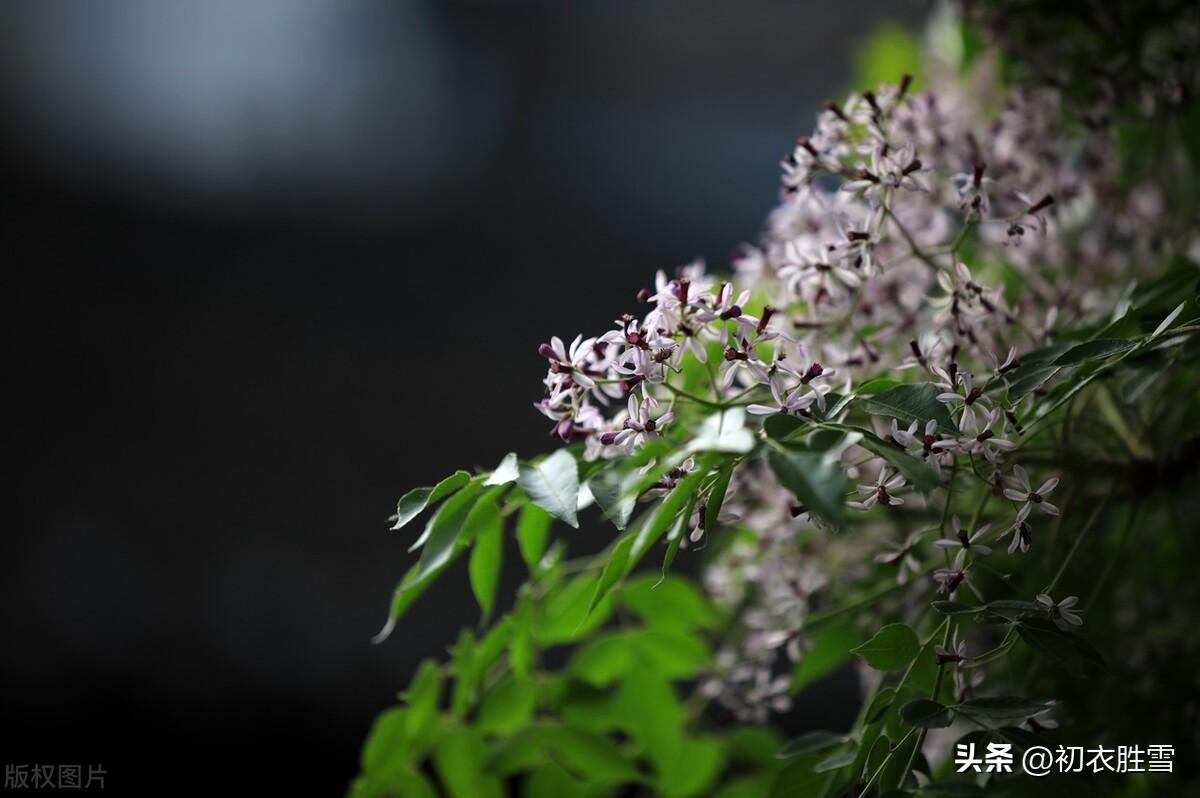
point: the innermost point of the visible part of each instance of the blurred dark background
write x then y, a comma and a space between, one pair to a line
269, 264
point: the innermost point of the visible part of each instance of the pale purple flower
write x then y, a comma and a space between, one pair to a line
964, 543
1061, 612
881, 491
1021, 491
787, 403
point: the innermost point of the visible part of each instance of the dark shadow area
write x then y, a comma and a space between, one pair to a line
270, 265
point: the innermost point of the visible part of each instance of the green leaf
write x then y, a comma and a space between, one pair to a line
422, 698
402, 598
533, 530
1001, 708
602, 661
878, 385
954, 608
892, 648
444, 529
1022, 383
649, 711
487, 559
810, 742
693, 769
1010, 608
505, 473
880, 704
716, 496
614, 570
507, 707
385, 742
553, 485
412, 503
799, 778
1066, 649
926, 714
668, 510
897, 766
752, 745
829, 647
565, 613
1168, 320
890, 52
779, 426
1091, 350
459, 760
817, 480
836, 761
611, 489
592, 756
673, 603
918, 474
908, 403
464, 664
675, 655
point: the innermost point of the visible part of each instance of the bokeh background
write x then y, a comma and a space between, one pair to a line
268, 264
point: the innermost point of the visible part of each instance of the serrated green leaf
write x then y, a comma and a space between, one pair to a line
817, 481
908, 403
891, 648
553, 485
416, 500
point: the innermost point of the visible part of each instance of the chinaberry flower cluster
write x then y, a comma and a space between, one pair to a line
880, 262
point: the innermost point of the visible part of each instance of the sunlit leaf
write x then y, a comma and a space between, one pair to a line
412, 503
553, 485
505, 473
